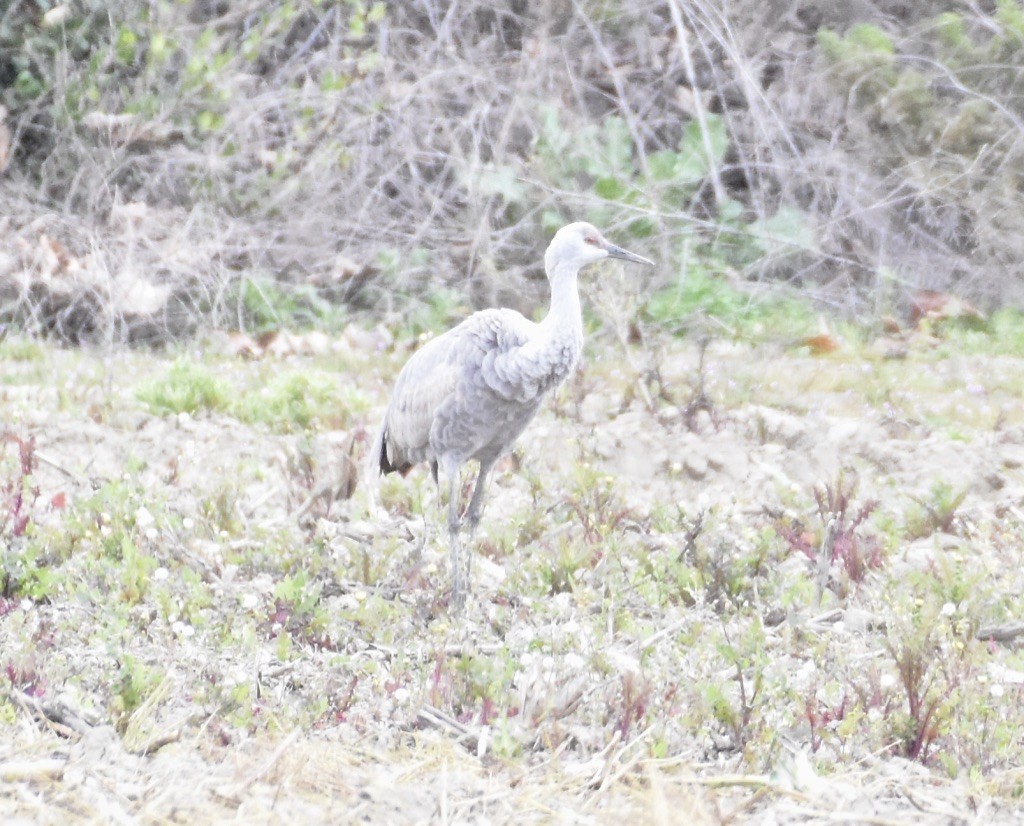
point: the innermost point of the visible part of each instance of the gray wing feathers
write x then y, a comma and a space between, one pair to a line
426, 381
523, 374
453, 388
505, 365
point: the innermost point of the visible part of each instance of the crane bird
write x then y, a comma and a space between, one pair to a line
470, 392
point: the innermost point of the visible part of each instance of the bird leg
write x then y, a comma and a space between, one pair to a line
458, 586
476, 503
473, 513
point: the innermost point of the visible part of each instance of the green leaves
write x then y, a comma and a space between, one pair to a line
615, 147
501, 181
863, 42
692, 162
606, 154
187, 388
610, 188
362, 16
789, 228
703, 291
863, 59
125, 45
600, 151
603, 158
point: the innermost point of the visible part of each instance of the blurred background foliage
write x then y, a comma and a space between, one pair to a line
170, 165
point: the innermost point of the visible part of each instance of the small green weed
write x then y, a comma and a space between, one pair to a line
595, 503
18, 492
220, 511
926, 647
473, 686
738, 704
134, 683
186, 388
295, 611
855, 551
299, 400
21, 348
635, 703
561, 569
25, 557
267, 305
937, 513
731, 576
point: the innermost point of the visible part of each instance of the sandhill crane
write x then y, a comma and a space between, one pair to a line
469, 393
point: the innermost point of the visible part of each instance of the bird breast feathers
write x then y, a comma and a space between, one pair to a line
508, 357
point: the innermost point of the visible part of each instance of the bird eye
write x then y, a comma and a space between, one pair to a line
590, 239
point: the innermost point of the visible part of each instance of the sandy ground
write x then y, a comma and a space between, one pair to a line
380, 748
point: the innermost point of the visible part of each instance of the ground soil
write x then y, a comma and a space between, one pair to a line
777, 423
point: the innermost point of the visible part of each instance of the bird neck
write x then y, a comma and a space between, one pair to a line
564, 321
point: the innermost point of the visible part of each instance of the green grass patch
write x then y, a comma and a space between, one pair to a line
21, 348
299, 400
186, 388
266, 305
1001, 334
283, 401
701, 292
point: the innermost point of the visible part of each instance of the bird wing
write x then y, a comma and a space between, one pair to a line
446, 373
427, 380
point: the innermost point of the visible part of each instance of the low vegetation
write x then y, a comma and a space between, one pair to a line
758, 560
666, 622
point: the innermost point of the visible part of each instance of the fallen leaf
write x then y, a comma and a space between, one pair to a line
282, 344
53, 256
242, 345
891, 325
820, 344
929, 304
264, 340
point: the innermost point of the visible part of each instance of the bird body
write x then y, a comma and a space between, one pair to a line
465, 390
469, 393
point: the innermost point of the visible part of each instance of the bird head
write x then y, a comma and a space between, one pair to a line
579, 244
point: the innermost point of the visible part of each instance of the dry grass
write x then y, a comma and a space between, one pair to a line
367, 154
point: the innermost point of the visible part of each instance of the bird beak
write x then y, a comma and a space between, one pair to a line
618, 252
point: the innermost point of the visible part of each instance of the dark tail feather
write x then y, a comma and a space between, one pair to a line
380, 464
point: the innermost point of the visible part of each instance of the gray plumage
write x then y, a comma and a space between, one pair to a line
469, 393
